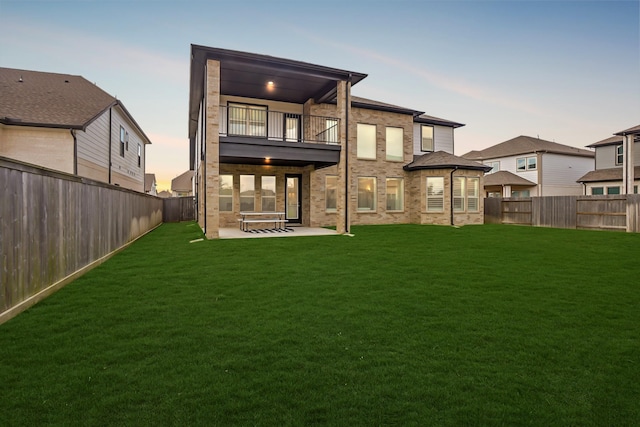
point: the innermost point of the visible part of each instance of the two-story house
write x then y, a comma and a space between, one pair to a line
66, 123
615, 169
525, 166
271, 134
182, 185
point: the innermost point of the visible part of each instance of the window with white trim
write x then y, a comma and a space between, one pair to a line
366, 194
435, 194
366, 141
526, 163
473, 192
495, 167
458, 193
394, 139
247, 193
613, 190
268, 193
426, 136
122, 140
395, 194
619, 155
597, 191
331, 193
139, 155
226, 193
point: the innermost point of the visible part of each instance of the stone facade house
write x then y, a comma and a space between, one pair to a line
617, 168
66, 123
526, 166
270, 134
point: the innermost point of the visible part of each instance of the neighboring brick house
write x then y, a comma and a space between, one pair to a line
66, 123
616, 160
150, 185
273, 134
182, 185
525, 166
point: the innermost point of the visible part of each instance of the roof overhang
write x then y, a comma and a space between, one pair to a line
247, 74
253, 151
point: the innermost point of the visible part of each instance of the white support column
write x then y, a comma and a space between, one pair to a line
627, 164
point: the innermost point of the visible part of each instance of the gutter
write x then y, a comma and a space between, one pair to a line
451, 192
346, 157
75, 151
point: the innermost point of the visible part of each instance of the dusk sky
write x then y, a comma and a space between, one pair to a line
566, 71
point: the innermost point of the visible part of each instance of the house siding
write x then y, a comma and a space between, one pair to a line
125, 170
46, 147
560, 173
442, 135
93, 149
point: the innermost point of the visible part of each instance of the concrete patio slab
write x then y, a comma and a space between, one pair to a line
235, 233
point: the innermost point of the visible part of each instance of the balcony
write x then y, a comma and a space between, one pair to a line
256, 135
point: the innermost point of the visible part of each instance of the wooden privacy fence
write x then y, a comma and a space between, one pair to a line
178, 209
614, 212
55, 226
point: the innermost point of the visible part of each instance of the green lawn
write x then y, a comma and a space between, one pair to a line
399, 325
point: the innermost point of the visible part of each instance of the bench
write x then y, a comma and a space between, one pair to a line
275, 218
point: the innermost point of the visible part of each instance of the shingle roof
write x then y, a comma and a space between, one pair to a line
505, 178
418, 116
525, 145
50, 99
611, 174
182, 182
612, 140
634, 130
443, 160
149, 179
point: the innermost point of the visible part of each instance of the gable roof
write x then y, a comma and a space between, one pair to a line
35, 98
149, 179
612, 140
444, 160
525, 145
418, 116
611, 174
182, 182
505, 178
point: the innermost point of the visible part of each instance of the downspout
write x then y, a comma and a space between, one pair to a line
75, 151
347, 102
110, 138
203, 155
455, 168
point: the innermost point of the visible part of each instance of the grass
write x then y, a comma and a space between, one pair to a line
399, 325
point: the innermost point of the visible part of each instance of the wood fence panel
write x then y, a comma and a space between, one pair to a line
633, 213
516, 211
493, 210
554, 211
53, 225
602, 212
177, 209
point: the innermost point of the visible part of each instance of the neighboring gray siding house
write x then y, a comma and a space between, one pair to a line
182, 185
617, 161
66, 123
533, 167
150, 185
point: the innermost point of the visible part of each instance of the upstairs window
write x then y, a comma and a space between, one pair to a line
619, 155
247, 120
123, 134
395, 150
426, 133
366, 141
139, 155
526, 163
495, 167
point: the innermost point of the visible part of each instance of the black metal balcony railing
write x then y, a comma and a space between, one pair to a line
258, 122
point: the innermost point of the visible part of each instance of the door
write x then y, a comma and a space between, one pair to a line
292, 127
292, 198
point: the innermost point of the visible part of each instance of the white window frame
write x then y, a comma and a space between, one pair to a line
224, 180
523, 164
619, 155
331, 186
459, 193
399, 205
430, 142
394, 139
263, 197
247, 184
432, 199
366, 148
366, 181
473, 194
